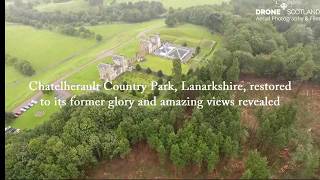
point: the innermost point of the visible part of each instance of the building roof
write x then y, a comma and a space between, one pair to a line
117, 59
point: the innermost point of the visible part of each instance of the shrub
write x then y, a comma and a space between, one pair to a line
148, 71
138, 67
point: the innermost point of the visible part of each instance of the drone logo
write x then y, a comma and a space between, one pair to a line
283, 6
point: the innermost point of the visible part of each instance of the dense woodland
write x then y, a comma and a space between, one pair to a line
129, 12
290, 50
71, 23
80, 136
77, 137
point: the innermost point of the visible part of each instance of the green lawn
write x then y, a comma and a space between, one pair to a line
36, 115
43, 48
87, 75
46, 56
49, 52
137, 78
156, 63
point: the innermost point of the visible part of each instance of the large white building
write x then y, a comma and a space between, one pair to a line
153, 45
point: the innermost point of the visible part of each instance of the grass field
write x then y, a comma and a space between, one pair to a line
74, 5
36, 115
137, 78
192, 34
156, 63
49, 53
87, 76
42, 48
45, 50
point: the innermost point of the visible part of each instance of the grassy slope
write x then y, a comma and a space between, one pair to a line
74, 5
44, 49
113, 35
157, 63
41, 47
36, 115
194, 35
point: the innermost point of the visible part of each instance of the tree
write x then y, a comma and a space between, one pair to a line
217, 69
148, 70
247, 174
98, 37
176, 157
305, 72
156, 92
159, 73
246, 60
299, 33
197, 50
138, 67
276, 126
49, 91
123, 147
160, 81
171, 20
150, 96
306, 157
9, 116
108, 85
228, 146
176, 71
133, 93
233, 72
256, 166
24, 67
213, 158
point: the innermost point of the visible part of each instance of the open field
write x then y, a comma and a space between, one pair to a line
137, 78
57, 63
74, 5
114, 35
45, 50
42, 48
156, 64
36, 115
